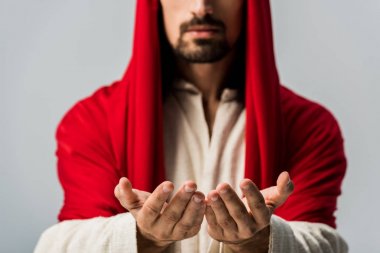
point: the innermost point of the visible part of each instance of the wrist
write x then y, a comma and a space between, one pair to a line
147, 245
257, 244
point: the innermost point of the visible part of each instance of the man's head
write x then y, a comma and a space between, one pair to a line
202, 31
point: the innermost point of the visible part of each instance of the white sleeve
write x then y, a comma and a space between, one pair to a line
98, 235
297, 237
304, 237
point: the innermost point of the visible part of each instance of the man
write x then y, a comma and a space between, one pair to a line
201, 106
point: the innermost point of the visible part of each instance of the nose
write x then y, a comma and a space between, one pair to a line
202, 7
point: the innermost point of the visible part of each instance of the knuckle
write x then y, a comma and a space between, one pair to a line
240, 214
227, 222
149, 210
185, 226
260, 204
171, 216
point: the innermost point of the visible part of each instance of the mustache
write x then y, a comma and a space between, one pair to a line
205, 20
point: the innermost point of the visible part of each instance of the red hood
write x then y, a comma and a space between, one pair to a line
143, 77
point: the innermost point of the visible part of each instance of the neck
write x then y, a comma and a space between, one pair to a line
209, 78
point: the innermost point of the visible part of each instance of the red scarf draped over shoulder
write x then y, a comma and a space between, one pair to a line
118, 131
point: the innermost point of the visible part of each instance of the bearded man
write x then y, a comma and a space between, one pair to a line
172, 157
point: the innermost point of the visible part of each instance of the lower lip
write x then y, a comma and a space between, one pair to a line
202, 34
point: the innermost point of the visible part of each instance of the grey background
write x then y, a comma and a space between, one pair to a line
53, 53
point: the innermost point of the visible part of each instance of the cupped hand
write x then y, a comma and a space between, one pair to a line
160, 223
243, 224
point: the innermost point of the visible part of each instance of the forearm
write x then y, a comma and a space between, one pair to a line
113, 234
304, 237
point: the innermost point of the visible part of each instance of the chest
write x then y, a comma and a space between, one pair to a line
192, 153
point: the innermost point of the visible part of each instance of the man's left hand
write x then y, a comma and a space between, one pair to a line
243, 225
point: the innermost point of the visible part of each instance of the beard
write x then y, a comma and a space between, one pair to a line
203, 50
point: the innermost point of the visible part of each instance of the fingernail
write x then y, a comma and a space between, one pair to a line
290, 186
246, 187
214, 198
223, 191
189, 189
197, 199
289, 182
166, 188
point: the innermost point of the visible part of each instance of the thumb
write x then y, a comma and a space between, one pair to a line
285, 185
275, 196
126, 195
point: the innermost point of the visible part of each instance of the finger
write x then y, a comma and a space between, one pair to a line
276, 195
152, 207
126, 196
285, 184
214, 230
255, 202
175, 209
223, 217
210, 217
192, 218
235, 207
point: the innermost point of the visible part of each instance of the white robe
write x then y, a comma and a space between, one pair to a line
190, 154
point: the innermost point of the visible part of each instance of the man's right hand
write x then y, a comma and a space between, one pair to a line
159, 223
